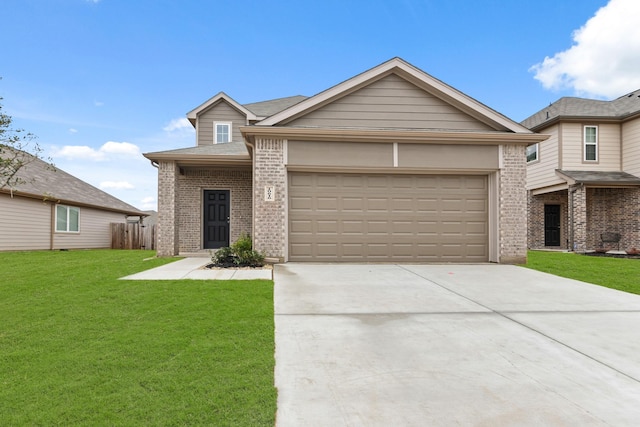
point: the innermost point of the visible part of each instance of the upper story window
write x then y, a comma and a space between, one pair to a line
532, 153
591, 143
222, 132
67, 219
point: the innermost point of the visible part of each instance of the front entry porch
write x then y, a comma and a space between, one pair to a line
580, 217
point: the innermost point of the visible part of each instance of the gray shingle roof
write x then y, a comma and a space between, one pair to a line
43, 180
273, 106
588, 108
235, 148
595, 177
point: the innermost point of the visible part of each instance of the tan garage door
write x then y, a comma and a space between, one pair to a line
412, 218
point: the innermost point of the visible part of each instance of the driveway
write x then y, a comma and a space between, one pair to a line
446, 345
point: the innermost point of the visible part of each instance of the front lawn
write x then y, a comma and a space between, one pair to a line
616, 273
79, 347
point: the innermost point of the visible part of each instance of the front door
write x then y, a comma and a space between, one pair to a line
216, 219
552, 225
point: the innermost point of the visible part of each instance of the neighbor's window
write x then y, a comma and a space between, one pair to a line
532, 153
591, 143
222, 132
67, 219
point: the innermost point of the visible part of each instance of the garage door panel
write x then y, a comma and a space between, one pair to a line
351, 217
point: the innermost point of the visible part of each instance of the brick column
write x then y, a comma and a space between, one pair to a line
578, 217
167, 209
513, 206
269, 217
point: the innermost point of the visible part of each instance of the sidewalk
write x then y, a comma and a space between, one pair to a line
191, 268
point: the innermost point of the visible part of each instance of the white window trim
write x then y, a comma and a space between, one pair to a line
215, 132
537, 151
68, 208
584, 143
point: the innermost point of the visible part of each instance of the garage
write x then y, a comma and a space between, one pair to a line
349, 217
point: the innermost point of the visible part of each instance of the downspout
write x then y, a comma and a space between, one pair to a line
52, 225
253, 186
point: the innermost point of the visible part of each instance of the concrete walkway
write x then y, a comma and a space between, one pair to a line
191, 268
444, 345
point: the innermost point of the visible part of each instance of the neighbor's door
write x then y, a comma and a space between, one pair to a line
552, 225
216, 218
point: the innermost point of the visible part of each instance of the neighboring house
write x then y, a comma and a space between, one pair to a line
584, 180
54, 210
390, 165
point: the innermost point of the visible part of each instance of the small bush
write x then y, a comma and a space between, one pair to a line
223, 256
240, 253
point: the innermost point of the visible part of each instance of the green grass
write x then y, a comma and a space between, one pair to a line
616, 273
79, 347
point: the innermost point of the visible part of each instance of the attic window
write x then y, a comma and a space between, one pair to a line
221, 132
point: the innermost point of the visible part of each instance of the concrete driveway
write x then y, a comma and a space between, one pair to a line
447, 345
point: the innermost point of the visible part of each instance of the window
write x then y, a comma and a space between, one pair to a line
67, 219
532, 153
222, 132
591, 143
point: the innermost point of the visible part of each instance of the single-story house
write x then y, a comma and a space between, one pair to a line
392, 165
52, 209
583, 182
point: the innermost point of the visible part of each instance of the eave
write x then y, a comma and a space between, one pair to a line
195, 160
56, 200
391, 135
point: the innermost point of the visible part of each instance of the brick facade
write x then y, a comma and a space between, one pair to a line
614, 210
167, 228
270, 226
586, 214
512, 221
191, 185
535, 232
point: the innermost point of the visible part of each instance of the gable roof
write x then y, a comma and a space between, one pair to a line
410, 73
219, 97
583, 108
44, 181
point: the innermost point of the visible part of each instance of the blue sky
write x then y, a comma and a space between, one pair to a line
102, 81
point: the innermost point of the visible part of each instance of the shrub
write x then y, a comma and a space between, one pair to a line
240, 253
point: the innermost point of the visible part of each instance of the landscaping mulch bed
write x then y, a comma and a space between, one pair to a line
214, 266
610, 255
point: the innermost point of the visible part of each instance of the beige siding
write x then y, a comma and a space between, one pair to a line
542, 172
390, 102
608, 147
631, 147
339, 154
456, 157
25, 224
94, 231
220, 112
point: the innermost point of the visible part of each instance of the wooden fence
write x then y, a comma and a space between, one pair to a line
133, 236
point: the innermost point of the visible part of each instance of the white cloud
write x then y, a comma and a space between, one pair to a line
98, 103
72, 130
116, 185
148, 203
604, 60
88, 153
79, 152
179, 124
120, 148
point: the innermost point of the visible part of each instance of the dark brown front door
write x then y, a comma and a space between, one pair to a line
216, 218
552, 225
